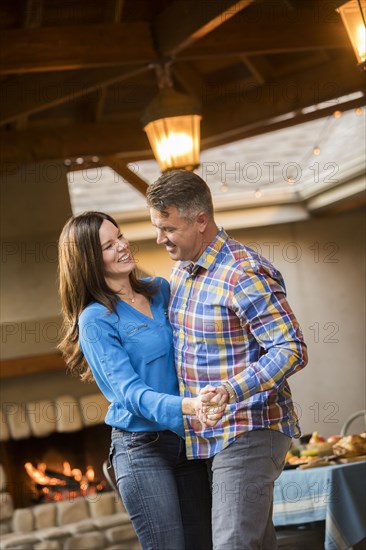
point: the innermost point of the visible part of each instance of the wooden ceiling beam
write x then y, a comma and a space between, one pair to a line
30, 94
272, 125
301, 31
120, 166
76, 47
77, 140
225, 118
183, 22
251, 66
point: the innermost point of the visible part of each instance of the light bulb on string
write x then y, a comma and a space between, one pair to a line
224, 188
316, 150
358, 111
337, 114
290, 180
258, 193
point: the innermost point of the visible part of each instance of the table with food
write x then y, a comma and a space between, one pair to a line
324, 483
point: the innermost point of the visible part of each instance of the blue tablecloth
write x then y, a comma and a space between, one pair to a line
336, 494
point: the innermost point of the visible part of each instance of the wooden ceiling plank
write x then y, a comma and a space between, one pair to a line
75, 47
30, 94
121, 168
183, 22
300, 32
189, 78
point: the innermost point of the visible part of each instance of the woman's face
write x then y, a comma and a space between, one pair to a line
117, 257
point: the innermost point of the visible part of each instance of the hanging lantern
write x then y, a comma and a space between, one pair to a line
172, 124
353, 14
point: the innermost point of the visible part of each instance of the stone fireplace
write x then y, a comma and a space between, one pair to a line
66, 503
53, 435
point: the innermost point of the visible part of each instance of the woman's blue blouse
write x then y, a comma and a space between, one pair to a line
132, 359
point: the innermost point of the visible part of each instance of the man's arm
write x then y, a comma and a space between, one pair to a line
260, 303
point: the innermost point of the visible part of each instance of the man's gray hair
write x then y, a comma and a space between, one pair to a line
182, 189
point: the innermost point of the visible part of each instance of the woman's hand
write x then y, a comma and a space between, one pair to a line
209, 406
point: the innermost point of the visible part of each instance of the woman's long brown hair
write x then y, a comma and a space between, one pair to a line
82, 281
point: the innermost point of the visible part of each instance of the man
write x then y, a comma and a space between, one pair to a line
233, 331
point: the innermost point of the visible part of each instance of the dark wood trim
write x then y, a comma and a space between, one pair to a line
34, 364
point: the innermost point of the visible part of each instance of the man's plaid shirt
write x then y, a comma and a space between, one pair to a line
231, 322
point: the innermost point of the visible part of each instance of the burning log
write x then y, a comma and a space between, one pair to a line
70, 483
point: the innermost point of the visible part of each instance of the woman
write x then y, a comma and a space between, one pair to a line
117, 333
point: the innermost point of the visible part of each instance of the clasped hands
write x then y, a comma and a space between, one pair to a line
210, 405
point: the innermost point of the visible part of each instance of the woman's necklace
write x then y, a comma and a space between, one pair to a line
130, 298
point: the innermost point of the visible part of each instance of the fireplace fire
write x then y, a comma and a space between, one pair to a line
51, 485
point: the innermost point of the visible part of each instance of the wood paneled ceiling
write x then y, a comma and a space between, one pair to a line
76, 75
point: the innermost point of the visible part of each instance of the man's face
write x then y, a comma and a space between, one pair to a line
182, 238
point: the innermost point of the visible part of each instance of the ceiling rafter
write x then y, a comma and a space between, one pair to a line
121, 168
195, 20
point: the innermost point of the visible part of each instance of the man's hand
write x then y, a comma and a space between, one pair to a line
214, 396
209, 406
213, 405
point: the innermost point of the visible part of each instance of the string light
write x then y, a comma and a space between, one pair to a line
290, 180
358, 111
316, 150
79, 161
258, 193
337, 114
224, 188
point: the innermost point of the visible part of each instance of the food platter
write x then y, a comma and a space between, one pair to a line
318, 451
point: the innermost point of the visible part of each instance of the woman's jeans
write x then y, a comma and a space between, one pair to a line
167, 497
